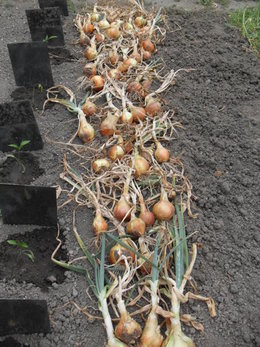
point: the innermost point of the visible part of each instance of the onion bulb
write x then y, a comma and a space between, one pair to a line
122, 208
85, 132
164, 209
103, 23
89, 108
117, 251
151, 336
88, 28
148, 45
153, 106
146, 84
146, 55
100, 164
116, 152
134, 87
138, 113
128, 26
99, 37
99, 223
114, 73
95, 16
97, 83
141, 165
127, 64
127, 117
83, 40
146, 215
89, 70
108, 126
113, 32
140, 21
161, 153
113, 57
135, 227
128, 330
90, 53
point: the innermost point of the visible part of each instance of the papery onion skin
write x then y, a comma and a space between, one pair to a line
163, 210
89, 70
116, 152
134, 87
146, 55
128, 330
88, 28
100, 164
108, 126
138, 113
97, 83
90, 53
153, 108
113, 33
148, 217
136, 227
113, 58
141, 165
114, 73
89, 108
122, 209
99, 37
117, 251
161, 153
99, 224
177, 338
127, 117
146, 267
85, 132
148, 45
140, 21
151, 336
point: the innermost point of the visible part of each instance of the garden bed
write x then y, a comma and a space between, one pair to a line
218, 105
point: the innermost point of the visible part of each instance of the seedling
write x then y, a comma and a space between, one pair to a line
48, 38
23, 247
18, 149
40, 87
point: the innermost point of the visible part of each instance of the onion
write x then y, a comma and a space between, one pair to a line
128, 330
100, 164
134, 87
148, 45
135, 227
146, 84
90, 53
85, 132
89, 70
151, 336
128, 26
127, 117
146, 55
163, 210
136, 55
122, 208
99, 223
103, 24
108, 126
141, 165
114, 73
140, 21
116, 152
161, 153
113, 57
99, 37
146, 267
89, 108
88, 28
127, 64
153, 106
113, 32
97, 83
117, 251
95, 16
138, 113
83, 40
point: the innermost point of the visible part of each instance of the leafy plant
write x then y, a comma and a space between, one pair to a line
248, 21
48, 38
18, 149
24, 248
40, 87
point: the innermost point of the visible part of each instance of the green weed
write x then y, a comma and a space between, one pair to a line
23, 247
248, 21
17, 156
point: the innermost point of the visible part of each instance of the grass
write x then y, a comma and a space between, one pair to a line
248, 21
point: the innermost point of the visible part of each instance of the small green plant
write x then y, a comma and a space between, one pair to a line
248, 21
23, 247
206, 2
48, 38
18, 149
40, 87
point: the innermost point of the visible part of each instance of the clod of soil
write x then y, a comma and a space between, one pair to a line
15, 264
11, 170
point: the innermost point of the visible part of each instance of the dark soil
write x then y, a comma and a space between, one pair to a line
12, 172
35, 95
59, 55
10, 342
14, 264
219, 106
